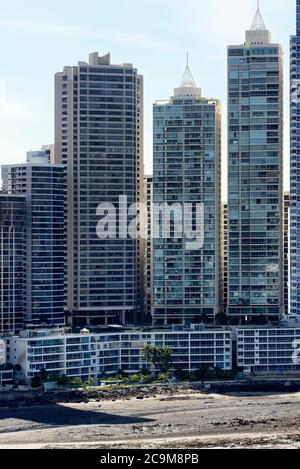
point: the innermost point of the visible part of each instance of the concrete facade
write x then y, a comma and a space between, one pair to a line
91, 355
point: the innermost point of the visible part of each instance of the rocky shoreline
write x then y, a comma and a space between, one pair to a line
113, 393
140, 392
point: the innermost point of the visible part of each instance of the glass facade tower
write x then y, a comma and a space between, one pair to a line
187, 158
295, 169
99, 137
44, 189
255, 177
148, 256
12, 262
287, 267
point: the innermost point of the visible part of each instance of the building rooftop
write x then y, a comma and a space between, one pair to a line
95, 60
258, 35
38, 333
29, 164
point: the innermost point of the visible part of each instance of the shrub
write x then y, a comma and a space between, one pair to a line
62, 380
164, 376
135, 377
77, 382
90, 382
146, 378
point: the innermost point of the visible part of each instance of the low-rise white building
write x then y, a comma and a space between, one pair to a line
87, 355
6, 375
6, 372
269, 350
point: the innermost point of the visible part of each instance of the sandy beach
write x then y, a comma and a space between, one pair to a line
186, 420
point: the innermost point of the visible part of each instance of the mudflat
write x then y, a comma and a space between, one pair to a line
184, 420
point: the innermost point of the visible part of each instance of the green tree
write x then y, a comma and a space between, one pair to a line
158, 356
150, 355
165, 358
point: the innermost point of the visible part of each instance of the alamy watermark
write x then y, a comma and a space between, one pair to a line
296, 352
168, 221
295, 91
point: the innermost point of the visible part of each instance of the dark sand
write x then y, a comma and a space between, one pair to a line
188, 420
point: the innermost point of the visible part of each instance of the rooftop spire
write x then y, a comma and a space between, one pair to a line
187, 80
187, 87
258, 22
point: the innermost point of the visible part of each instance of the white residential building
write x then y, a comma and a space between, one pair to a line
87, 355
6, 375
6, 372
269, 350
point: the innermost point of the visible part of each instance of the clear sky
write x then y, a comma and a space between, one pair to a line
39, 37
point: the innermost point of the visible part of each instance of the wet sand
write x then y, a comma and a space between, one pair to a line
182, 421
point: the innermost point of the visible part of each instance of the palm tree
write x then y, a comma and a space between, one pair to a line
158, 356
165, 358
149, 355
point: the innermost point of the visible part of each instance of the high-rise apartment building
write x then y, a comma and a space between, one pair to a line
295, 167
224, 259
12, 262
44, 189
286, 259
99, 137
187, 159
255, 177
148, 200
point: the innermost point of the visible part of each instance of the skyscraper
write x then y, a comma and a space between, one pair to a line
295, 167
148, 200
224, 259
255, 177
187, 156
99, 137
287, 268
12, 262
44, 189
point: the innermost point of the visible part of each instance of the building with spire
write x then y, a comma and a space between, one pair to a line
187, 170
255, 177
295, 169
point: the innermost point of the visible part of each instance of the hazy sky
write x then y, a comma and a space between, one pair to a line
39, 37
